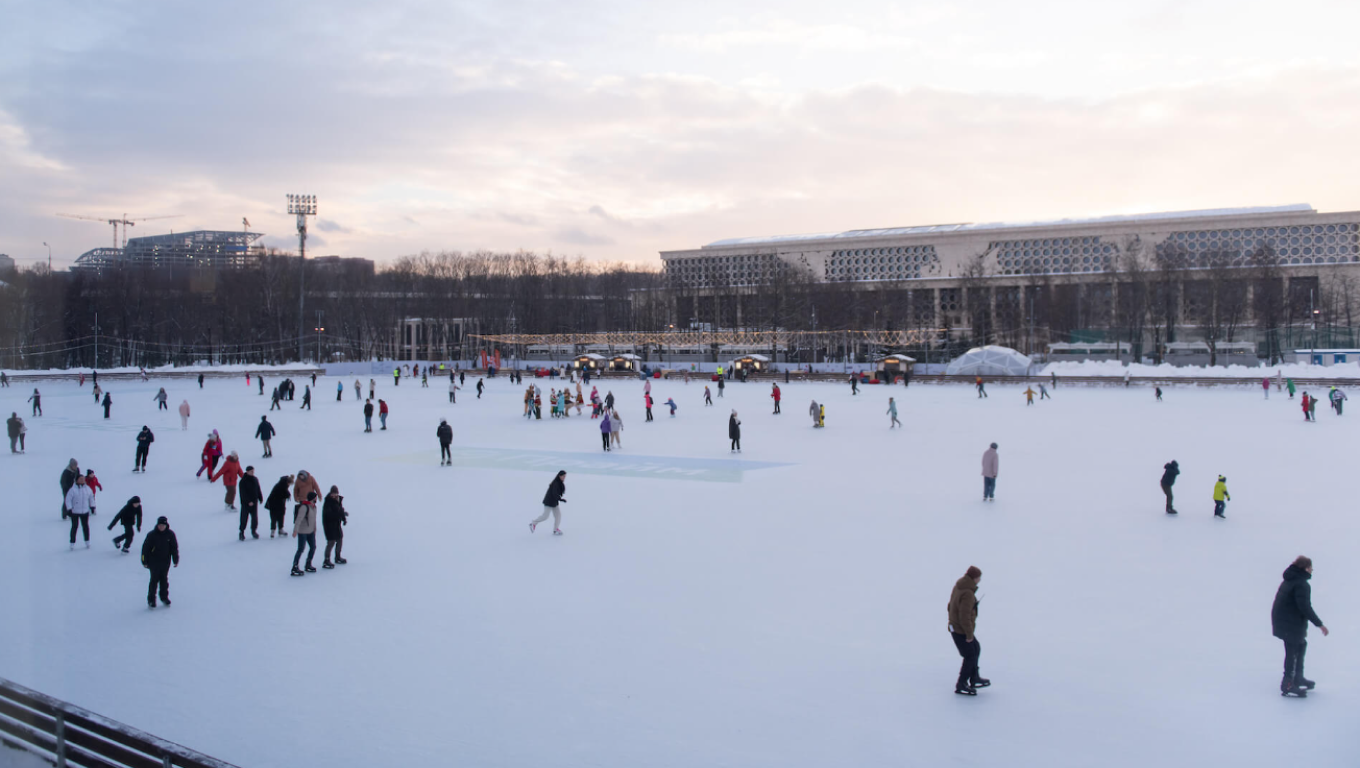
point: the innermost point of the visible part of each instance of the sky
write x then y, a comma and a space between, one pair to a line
614, 130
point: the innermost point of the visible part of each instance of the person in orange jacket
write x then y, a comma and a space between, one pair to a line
230, 472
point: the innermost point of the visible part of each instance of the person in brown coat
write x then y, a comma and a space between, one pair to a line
963, 607
303, 485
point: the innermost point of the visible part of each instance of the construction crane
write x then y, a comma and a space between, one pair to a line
125, 221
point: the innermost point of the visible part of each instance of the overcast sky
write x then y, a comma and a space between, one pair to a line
617, 129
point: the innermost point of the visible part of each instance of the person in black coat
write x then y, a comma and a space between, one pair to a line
277, 504
333, 519
200, 381
249, 488
307, 397
556, 490
108, 403
144, 440
159, 550
445, 435
368, 415
265, 432
68, 479
1289, 617
1171, 469
129, 516
734, 430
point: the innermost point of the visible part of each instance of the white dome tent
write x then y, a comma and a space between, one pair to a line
989, 361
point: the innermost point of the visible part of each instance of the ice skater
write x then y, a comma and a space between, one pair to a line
776, 396
1159, 393
368, 415
1289, 618
80, 505
892, 411
1169, 472
734, 431
1338, 398
334, 518
616, 429
304, 530
480, 387
1265, 387
382, 413
453, 391
230, 473
557, 490
68, 481
854, 384
129, 516
670, 403
160, 550
1043, 392
306, 398
264, 433
981, 388
251, 496
604, 430
277, 504
161, 399
212, 453
708, 396
108, 403
991, 464
12, 425
1029, 395
963, 611
445, 434
1221, 497
144, 440
36, 399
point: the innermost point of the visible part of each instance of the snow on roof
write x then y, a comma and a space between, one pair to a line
592, 356
761, 358
969, 227
897, 356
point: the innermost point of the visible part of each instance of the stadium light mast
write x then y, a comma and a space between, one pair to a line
303, 206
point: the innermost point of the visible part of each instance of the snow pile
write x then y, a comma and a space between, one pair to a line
990, 360
1114, 368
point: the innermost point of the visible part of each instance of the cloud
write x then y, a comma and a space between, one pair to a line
575, 236
326, 225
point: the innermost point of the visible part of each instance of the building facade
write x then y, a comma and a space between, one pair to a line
1190, 273
189, 250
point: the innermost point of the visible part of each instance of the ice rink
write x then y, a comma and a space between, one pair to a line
781, 607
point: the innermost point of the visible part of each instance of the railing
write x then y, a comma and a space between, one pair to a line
21, 376
67, 735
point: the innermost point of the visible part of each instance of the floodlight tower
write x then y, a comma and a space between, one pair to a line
303, 206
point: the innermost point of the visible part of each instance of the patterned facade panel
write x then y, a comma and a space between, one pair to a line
1301, 244
1053, 255
906, 262
718, 271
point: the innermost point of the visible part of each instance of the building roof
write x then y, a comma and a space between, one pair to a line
969, 227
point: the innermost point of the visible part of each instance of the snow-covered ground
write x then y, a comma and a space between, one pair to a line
784, 607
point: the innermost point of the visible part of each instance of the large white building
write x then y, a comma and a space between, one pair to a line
962, 276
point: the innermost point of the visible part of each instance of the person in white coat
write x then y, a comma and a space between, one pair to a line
80, 501
991, 463
184, 415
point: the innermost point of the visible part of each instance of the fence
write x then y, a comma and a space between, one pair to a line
67, 735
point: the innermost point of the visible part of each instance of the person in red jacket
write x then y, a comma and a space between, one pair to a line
212, 451
382, 412
92, 482
777, 395
230, 472
1305, 407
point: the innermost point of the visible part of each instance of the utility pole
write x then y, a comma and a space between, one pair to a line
96, 341
303, 206
49, 258
319, 314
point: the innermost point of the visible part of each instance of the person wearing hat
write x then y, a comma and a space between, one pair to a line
1170, 470
277, 504
144, 440
251, 496
68, 481
445, 434
160, 549
129, 516
303, 485
991, 464
230, 473
304, 530
1221, 496
333, 519
1289, 618
963, 610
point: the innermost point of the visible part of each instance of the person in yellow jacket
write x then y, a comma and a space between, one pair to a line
1029, 396
1221, 496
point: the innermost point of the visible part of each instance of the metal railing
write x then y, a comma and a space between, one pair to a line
67, 735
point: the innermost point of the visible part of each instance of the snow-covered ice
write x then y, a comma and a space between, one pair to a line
784, 607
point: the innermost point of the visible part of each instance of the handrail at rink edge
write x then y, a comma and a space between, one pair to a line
20, 375
66, 717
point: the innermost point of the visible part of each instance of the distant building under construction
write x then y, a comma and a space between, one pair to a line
199, 249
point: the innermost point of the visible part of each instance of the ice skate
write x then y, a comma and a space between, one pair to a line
327, 565
87, 545
296, 571
965, 690
309, 568
1305, 683
150, 603
980, 682
557, 532
73, 546
532, 527
254, 535
241, 536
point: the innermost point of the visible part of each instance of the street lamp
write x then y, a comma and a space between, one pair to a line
303, 206
319, 330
